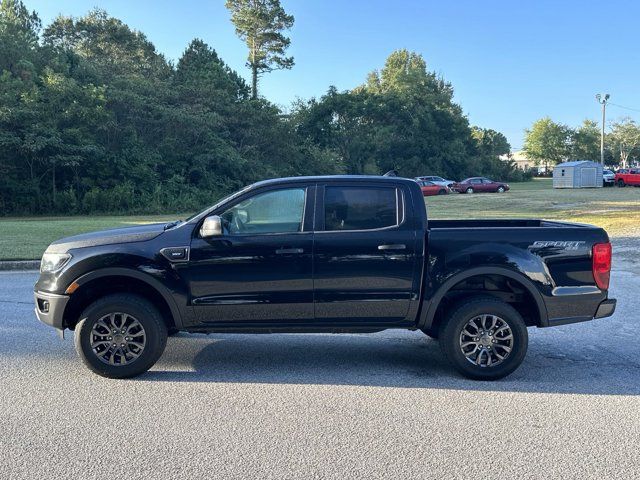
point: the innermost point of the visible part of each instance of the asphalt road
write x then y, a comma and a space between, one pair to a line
321, 406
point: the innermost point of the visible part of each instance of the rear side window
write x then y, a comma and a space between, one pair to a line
360, 208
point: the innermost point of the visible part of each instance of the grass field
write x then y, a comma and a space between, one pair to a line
615, 209
26, 238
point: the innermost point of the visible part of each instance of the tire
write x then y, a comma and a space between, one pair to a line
469, 190
485, 309
621, 183
120, 311
442, 192
500, 189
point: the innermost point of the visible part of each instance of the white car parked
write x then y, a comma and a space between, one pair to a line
608, 178
437, 180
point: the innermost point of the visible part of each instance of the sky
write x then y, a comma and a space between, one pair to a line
510, 62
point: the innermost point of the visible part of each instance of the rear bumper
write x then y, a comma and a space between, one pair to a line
606, 308
50, 308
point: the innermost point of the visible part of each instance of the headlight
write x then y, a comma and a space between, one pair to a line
53, 261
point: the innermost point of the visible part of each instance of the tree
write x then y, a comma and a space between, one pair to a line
260, 23
490, 142
94, 119
402, 118
585, 142
625, 136
111, 46
547, 142
19, 30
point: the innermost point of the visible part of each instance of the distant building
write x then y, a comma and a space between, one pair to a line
523, 162
520, 159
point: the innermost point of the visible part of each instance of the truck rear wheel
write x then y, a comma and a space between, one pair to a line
120, 336
484, 339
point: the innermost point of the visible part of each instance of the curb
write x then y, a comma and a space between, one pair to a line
6, 265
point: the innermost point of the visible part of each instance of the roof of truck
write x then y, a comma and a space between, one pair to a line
333, 178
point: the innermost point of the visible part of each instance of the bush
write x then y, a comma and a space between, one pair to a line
66, 201
518, 175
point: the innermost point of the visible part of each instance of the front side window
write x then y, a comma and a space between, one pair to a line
277, 211
360, 208
475, 180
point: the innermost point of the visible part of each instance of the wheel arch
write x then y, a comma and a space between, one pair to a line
98, 283
430, 308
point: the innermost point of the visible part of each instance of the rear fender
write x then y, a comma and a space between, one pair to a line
431, 304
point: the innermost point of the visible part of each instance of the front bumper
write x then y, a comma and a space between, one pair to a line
50, 308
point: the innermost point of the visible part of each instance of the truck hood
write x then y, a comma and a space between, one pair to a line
107, 237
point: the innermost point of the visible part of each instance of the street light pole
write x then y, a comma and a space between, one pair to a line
602, 100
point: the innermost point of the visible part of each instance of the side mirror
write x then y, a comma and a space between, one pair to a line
211, 227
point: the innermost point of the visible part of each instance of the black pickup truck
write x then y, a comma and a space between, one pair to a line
324, 254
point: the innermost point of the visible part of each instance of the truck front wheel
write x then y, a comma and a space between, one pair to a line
120, 336
484, 338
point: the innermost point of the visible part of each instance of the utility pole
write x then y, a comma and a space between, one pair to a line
602, 100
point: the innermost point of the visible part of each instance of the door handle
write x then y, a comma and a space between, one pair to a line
393, 246
285, 251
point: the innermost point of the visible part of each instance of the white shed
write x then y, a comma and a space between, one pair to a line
579, 174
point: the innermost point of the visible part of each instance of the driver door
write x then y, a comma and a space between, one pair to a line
260, 269
488, 185
476, 184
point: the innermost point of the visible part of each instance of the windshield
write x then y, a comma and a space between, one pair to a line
216, 205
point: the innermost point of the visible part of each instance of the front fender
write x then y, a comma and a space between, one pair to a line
164, 291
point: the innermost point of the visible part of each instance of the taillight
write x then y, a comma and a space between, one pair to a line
601, 254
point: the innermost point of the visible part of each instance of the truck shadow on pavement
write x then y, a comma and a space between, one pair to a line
596, 358
388, 359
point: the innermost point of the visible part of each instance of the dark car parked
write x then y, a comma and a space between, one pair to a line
479, 184
324, 254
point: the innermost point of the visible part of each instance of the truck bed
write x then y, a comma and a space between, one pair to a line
500, 223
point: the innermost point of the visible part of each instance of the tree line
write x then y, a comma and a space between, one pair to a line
94, 119
548, 142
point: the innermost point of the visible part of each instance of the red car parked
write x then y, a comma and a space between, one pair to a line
479, 184
628, 177
430, 188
